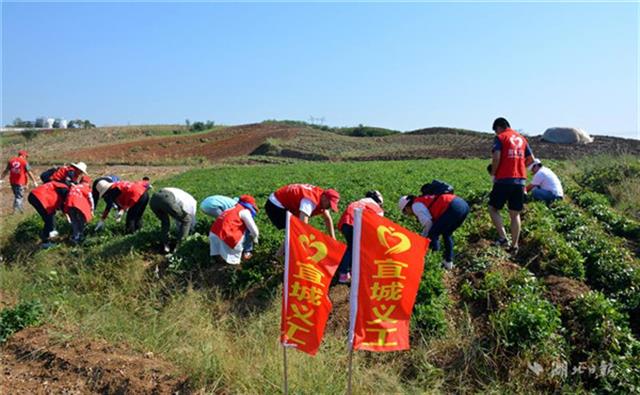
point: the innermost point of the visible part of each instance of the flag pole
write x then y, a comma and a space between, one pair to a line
286, 372
350, 371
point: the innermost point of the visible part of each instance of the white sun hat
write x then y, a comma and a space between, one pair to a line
402, 203
80, 166
103, 186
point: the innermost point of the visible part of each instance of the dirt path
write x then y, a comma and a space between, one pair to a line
34, 362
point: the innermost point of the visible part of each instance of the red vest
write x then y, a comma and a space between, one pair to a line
512, 155
66, 171
229, 227
347, 216
130, 193
79, 197
437, 204
48, 197
291, 195
17, 171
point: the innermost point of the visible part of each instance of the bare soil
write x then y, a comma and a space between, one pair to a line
35, 362
561, 291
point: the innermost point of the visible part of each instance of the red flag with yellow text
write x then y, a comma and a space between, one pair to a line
311, 260
388, 261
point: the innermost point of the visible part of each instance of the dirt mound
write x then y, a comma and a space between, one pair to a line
33, 362
561, 291
214, 146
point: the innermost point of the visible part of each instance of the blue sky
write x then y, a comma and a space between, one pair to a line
402, 66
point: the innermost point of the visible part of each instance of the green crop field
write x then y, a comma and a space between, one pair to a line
496, 324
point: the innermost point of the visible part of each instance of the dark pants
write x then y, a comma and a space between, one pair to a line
49, 219
446, 225
345, 263
164, 206
77, 224
277, 215
134, 214
18, 197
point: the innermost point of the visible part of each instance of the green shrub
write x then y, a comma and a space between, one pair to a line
603, 174
526, 323
598, 206
431, 301
21, 316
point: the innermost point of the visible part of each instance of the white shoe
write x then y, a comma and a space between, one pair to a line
447, 265
53, 234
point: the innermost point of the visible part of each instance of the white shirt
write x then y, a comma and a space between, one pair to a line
546, 179
245, 216
185, 201
424, 217
306, 205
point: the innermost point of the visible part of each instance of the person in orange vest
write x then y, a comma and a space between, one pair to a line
71, 174
439, 215
372, 201
131, 197
46, 199
511, 155
229, 230
79, 207
18, 169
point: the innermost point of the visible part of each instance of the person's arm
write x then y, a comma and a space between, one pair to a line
328, 222
246, 217
33, 179
304, 217
528, 155
424, 217
495, 161
306, 209
6, 171
109, 199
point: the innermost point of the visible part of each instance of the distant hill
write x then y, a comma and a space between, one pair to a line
276, 141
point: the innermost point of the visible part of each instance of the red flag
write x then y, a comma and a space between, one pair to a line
387, 267
311, 259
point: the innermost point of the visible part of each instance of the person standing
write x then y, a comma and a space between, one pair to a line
18, 169
174, 203
46, 200
511, 155
372, 201
228, 231
545, 185
439, 215
79, 207
131, 197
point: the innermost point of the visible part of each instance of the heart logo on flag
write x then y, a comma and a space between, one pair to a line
309, 244
395, 242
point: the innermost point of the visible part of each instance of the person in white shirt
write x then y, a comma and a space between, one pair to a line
177, 204
545, 184
229, 230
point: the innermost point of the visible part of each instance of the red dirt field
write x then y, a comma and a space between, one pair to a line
35, 362
213, 146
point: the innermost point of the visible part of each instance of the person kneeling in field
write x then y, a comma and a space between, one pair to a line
439, 215
229, 230
177, 204
372, 201
127, 196
46, 200
545, 185
79, 208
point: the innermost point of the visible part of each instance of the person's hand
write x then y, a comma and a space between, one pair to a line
100, 225
255, 240
119, 216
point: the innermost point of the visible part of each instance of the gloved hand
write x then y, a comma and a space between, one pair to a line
119, 215
99, 225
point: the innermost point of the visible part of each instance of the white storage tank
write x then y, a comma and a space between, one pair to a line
49, 123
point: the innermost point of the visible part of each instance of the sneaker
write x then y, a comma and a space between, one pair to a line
53, 234
447, 265
513, 250
46, 245
344, 278
247, 255
166, 249
501, 243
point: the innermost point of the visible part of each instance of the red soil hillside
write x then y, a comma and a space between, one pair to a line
213, 146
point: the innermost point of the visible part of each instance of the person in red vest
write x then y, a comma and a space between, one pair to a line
46, 199
372, 201
18, 169
229, 230
303, 201
131, 197
511, 155
439, 215
79, 207
71, 174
